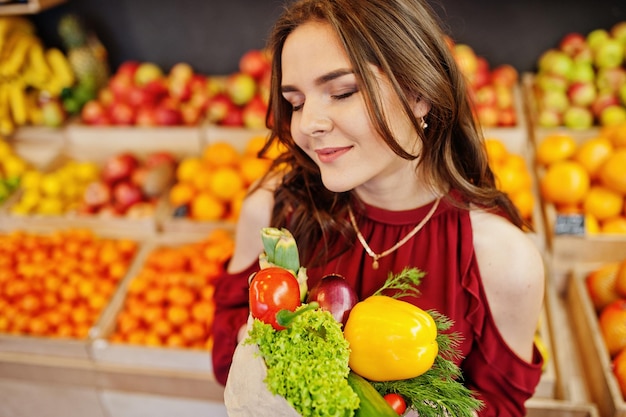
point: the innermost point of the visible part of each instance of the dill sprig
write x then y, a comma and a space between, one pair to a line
439, 391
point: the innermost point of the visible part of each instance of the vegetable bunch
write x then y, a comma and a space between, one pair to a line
388, 347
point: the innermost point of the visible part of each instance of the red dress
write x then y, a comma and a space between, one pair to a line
452, 285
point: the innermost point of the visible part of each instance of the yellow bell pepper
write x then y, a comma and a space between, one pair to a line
390, 339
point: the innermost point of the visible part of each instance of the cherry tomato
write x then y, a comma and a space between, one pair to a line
271, 290
396, 402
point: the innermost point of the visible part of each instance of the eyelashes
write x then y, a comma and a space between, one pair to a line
337, 97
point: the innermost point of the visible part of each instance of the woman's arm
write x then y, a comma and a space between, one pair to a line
512, 271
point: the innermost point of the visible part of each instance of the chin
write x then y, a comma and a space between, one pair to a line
336, 186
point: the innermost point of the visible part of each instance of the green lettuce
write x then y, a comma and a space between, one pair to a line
308, 364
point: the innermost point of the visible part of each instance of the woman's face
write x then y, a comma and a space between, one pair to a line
330, 121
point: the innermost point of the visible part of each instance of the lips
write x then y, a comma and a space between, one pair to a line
327, 155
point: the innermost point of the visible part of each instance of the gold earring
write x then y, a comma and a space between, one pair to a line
423, 124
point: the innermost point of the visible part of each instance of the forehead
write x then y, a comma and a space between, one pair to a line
313, 47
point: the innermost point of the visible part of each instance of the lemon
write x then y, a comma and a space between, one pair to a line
50, 206
51, 185
31, 180
14, 166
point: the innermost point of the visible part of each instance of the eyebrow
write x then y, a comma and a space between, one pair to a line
333, 75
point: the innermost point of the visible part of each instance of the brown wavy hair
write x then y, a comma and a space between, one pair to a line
405, 40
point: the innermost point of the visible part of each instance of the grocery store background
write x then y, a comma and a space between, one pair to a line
213, 34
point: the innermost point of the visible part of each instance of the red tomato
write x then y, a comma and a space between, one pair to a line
396, 402
271, 290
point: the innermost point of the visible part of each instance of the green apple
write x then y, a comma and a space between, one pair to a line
553, 100
609, 54
577, 117
613, 115
582, 71
147, 72
556, 62
618, 31
597, 37
622, 94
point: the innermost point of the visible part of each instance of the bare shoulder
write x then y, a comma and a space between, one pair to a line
513, 275
255, 214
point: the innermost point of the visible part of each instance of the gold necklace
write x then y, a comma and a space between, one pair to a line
376, 256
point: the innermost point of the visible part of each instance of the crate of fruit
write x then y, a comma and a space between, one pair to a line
597, 306
161, 317
583, 192
209, 187
55, 287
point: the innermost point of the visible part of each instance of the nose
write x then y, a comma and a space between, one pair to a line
313, 120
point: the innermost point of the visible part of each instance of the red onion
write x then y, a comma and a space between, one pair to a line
334, 294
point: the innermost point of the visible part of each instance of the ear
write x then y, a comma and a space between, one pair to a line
421, 108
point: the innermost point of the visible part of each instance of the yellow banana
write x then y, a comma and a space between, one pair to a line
60, 67
11, 25
17, 102
6, 122
34, 113
18, 54
39, 65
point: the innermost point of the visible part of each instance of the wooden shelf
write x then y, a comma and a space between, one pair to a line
31, 7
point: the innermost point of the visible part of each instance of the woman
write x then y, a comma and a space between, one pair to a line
386, 169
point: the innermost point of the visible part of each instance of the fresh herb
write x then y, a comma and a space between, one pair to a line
307, 364
439, 391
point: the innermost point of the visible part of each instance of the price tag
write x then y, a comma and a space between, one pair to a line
570, 224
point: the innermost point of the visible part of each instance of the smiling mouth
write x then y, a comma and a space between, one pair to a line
327, 155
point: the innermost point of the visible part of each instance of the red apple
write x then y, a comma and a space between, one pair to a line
253, 113
128, 68
92, 112
156, 90
572, 43
120, 85
240, 88
181, 71
507, 117
487, 116
105, 96
119, 167
190, 114
145, 116
138, 96
482, 76
486, 96
218, 107
233, 118
96, 195
582, 93
198, 83
180, 89
504, 96
157, 158
505, 75
122, 113
125, 194
610, 79
254, 62
603, 100
167, 114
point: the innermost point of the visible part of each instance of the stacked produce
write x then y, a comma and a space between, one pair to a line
169, 302
492, 89
28, 73
211, 186
582, 81
12, 168
586, 177
315, 366
240, 99
143, 94
606, 286
513, 176
57, 284
55, 192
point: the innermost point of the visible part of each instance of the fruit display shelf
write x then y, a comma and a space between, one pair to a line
601, 382
565, 246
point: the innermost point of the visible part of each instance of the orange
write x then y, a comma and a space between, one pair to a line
219, 154
616, 133
593, 153
202, 179
619, 370
188, 168
496, 150
254, 145
601, 285
613, 172
602, 203
253, 168
565, 182
225, 183
509, 179
181, 194
620, 277
555, 147
612, 322
205, 207
592, 226
614, 225
524, 201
